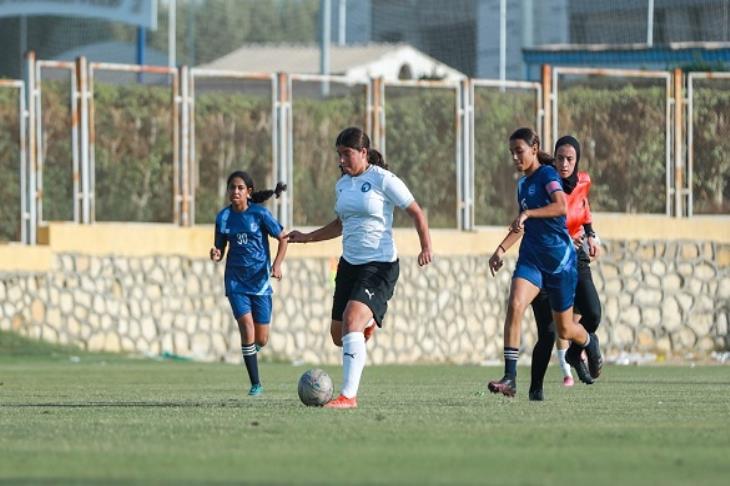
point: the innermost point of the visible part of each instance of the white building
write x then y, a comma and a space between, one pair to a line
356, 62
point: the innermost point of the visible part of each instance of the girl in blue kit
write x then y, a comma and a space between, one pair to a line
244, 227
547, 258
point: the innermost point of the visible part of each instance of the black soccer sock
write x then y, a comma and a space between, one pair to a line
510, 361
540, 360
251, 361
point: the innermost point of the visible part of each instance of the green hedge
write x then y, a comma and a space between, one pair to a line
421, 149
496, 115
622, 132
57, 154
621, 129
233, 132
133, 153
711, 181
9, 166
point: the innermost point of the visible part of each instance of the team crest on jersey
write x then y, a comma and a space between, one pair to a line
254, 227
365, 187
531, 190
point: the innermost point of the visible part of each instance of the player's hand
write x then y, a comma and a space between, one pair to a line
578, 241
594, 248
425, 257
296, 236
495, 261
215, 254
518, 225
276, 272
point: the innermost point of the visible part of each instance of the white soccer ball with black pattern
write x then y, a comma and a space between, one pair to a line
315, 388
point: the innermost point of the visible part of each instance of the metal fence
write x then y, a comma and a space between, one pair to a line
422, 143
708, 144
499, 108
14, 170
624, 120
232, 124
112, 142
318, 108
56, 103
134, 136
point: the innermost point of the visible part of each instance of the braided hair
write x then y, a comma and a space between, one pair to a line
258, 196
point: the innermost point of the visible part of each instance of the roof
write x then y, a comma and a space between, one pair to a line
671, 46
115, 52
629, 54
305, 58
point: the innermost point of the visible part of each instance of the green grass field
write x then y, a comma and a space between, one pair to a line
112, 420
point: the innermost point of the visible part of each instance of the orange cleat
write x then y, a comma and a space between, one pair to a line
342, 402
369, 330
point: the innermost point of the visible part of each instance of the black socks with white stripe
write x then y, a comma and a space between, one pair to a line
251, 361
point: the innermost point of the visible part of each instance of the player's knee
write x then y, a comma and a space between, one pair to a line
565, 335
591, 319
566, 331
517, 305
337, 340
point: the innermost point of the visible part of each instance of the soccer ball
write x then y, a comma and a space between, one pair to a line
315, 388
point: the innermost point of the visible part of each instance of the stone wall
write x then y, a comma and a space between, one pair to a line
670, 298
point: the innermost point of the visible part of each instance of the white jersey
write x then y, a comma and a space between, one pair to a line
365, 206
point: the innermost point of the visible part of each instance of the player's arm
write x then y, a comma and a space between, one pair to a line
594, 243
280, 254
496, 261
333, 229
219, 246
421, 224
557, 207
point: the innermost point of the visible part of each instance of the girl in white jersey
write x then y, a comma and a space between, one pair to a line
368, 269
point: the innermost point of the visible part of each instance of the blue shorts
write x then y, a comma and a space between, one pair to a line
560, 286
258, 305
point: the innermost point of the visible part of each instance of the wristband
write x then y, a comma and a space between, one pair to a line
502, 248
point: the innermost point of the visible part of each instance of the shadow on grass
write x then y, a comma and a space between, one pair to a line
666, 382
112, 482
136, 404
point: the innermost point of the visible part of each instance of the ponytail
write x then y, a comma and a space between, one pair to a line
261, 196
376, 158
545, 158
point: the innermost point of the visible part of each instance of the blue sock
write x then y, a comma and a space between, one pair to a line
250, 360
510, 361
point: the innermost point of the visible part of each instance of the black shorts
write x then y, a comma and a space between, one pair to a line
371, 283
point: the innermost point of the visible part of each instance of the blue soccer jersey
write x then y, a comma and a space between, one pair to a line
546, 241
248, 263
